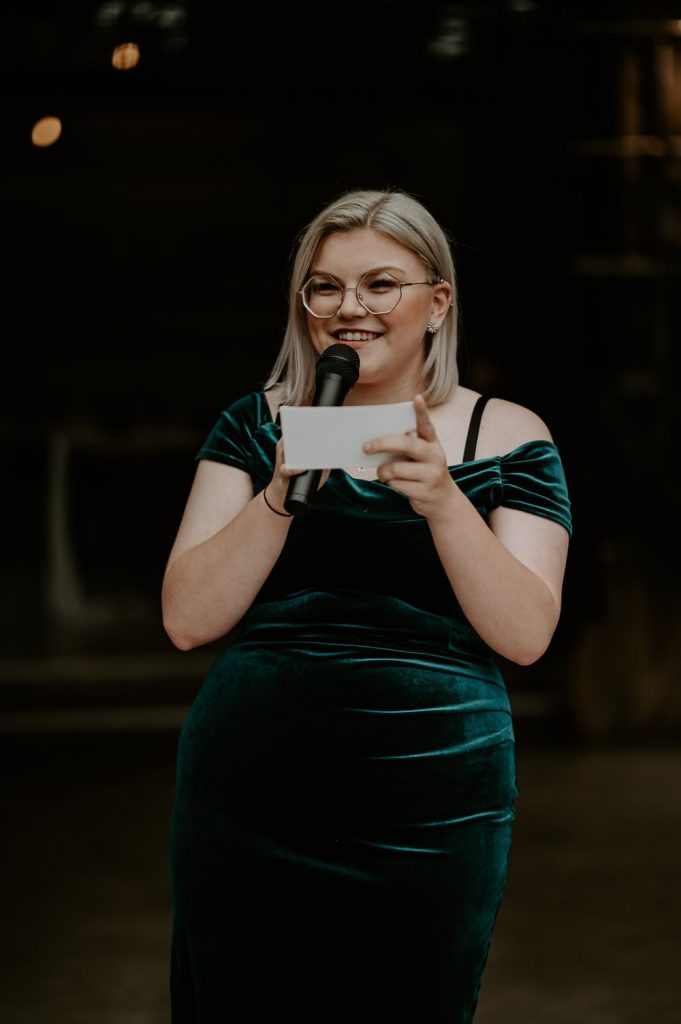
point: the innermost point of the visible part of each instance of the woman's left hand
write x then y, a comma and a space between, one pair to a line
422, 476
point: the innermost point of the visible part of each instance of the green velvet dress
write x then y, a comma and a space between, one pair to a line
346, 775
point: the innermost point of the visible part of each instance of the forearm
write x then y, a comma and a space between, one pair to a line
210, 587
507, 604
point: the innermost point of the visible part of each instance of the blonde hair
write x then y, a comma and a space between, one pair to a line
403, 218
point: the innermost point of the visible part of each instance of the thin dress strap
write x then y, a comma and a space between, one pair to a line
473, 427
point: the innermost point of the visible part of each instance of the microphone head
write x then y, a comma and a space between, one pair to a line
340, 359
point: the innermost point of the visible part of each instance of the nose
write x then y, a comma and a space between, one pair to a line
351, 306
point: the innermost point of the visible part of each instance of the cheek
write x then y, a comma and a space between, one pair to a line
412, 324
422, 309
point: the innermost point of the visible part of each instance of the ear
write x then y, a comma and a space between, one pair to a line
442, 300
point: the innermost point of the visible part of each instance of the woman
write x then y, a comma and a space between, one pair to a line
346, 774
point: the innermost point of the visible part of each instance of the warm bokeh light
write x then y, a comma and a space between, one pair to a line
125, 56
46, 131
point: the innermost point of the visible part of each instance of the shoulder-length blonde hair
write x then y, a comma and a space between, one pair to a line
403, 218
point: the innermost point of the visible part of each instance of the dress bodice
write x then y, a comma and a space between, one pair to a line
362, 539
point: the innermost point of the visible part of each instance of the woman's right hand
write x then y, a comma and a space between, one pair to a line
278, 485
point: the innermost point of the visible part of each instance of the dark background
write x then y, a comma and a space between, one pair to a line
146, 265
147, 259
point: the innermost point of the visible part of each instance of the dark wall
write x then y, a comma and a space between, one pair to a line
148, 253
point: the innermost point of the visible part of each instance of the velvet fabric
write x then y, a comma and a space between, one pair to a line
346, 777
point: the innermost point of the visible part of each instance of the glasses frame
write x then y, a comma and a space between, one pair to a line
372, 312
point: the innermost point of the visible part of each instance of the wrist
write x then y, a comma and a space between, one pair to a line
275, 505
449, 506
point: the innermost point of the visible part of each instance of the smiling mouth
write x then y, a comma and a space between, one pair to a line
355, 335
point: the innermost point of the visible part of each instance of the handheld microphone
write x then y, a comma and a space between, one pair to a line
336, 374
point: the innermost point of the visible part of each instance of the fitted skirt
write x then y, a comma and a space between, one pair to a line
342, 823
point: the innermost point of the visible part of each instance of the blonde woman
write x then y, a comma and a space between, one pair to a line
346, 774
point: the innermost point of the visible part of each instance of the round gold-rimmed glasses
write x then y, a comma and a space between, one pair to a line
378, 292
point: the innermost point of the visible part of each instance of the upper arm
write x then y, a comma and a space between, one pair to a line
538, 542
217, 495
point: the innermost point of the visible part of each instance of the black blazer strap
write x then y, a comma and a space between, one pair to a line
473, 428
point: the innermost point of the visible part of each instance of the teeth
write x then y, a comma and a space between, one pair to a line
355, 336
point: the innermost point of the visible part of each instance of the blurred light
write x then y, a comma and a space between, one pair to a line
109, 13
171, 17
125, 56
167, 16
143, 12
46, 131
452, 38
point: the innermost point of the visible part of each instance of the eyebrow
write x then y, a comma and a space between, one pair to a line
372, 270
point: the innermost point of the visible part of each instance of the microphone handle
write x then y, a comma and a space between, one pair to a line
331, 390
301, 490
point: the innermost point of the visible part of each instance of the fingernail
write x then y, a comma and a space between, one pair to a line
368, 446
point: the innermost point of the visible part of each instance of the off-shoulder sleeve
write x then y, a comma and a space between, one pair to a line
230, 440
533, 480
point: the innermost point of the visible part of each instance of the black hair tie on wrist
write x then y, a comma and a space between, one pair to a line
287, 514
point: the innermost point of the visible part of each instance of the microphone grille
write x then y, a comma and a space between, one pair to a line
340, 359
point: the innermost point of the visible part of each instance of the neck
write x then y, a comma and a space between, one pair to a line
384, 392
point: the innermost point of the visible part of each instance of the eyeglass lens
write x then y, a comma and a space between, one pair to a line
378, 292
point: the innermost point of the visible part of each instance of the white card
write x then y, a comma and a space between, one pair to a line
331, 437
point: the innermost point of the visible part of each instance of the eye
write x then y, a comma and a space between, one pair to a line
380, 284
321, 287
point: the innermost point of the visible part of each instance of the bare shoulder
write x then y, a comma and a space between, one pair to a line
503, 426
506, 425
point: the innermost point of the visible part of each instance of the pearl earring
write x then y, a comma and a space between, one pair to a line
432, 327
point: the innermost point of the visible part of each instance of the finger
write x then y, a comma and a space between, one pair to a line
400, 471
281, 456
409, 445
289, 471
424, 424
